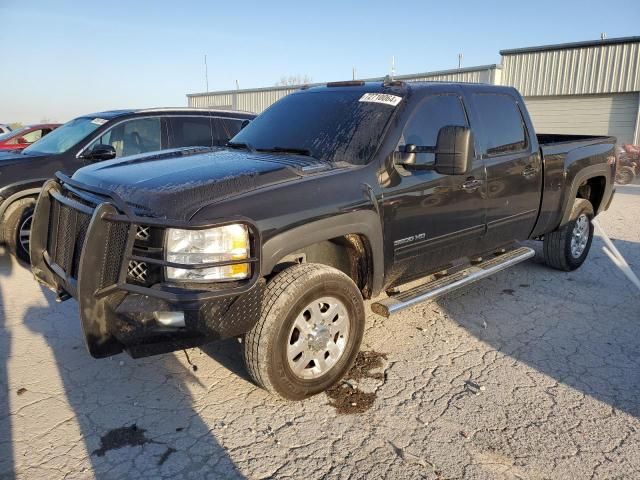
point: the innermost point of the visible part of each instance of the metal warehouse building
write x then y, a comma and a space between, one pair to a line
584, 87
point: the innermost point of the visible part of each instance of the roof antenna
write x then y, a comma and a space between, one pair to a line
206, 74
603, 36
393, 67
460, 57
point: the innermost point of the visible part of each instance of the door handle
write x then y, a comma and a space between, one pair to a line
529, 171
471, 185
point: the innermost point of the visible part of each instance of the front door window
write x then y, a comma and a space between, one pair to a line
139, 135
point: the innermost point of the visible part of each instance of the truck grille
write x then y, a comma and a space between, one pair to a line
143, 233
138, 271
67, 231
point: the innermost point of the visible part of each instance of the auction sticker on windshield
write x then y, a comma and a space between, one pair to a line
384, 98
99, 121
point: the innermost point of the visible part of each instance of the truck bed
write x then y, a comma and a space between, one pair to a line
565, 157
549, 139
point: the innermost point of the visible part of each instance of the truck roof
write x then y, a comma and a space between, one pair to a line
398, 86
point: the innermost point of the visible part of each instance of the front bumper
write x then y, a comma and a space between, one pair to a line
83, 243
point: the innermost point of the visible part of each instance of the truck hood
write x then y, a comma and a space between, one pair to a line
176, 183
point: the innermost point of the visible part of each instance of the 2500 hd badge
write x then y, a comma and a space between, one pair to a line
411, 239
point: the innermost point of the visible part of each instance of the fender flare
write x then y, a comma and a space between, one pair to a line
363, 222
592, 171
29, 192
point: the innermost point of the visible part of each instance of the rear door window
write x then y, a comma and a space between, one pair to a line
190, 132
502, 129
224, 129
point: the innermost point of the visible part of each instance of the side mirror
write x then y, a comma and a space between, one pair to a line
22, 141
244, 124
100, 153
454, 150
406, 157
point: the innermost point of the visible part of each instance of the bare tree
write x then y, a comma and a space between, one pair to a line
286, 81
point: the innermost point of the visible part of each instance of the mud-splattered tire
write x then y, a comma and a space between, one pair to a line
16, 227
312, 309
567, 248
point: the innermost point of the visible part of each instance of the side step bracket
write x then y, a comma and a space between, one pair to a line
441, 286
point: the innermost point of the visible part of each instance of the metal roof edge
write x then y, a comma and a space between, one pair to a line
567, 46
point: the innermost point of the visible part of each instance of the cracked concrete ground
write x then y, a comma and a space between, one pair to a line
532, 373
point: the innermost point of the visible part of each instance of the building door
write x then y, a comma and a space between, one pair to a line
613, 114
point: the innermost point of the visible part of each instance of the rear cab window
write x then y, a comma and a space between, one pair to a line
502, 128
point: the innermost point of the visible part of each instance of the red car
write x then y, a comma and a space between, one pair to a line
25, 136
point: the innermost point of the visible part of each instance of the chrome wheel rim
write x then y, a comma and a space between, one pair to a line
580, 236
24, 233
318, 338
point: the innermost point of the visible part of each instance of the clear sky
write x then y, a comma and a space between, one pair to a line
61, 58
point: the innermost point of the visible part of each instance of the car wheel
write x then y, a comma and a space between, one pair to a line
309, 331
567, 248
17, 227
625, 175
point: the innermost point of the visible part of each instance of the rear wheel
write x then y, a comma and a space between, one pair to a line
625, 175
309, 332
17, 227
567, 248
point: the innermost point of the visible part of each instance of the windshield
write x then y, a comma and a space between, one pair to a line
4, 136
331, 125
65, 137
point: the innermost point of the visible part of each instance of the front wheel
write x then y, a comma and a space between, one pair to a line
567, 247
309, 332
17, 227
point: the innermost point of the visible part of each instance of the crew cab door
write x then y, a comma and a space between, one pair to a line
514, 172
431, 218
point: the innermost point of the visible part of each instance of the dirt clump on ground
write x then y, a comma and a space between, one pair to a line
346, 397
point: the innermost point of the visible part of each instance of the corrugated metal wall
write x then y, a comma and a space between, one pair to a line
484, 74
613, 114
257, 100
248, 100
594, 69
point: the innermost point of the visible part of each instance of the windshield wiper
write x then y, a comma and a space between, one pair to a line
297, 151
243, 145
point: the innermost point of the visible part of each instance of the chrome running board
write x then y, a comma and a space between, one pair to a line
440, 286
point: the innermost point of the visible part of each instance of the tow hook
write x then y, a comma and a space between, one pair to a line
62, 295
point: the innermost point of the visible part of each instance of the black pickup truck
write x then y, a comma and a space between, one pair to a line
333, 195
94, 138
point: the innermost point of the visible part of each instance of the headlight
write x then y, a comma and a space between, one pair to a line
219, 244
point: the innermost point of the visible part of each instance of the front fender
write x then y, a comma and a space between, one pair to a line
363, 222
